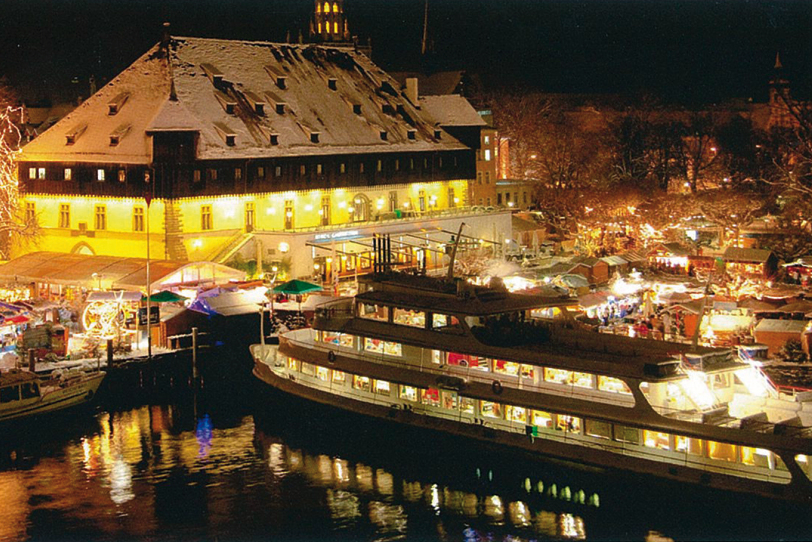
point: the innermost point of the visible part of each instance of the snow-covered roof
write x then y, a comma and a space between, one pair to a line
223, 88
451, 110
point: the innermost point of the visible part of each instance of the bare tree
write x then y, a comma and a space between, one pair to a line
16, 225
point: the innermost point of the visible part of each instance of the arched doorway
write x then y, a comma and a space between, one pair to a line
83, 248
360, 208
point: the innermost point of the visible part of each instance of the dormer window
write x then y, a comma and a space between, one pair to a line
118, 134
278, 77
412, 134
384, 135
115, 105
356, 108
314, 137
274, 138
278, 103
228, 135
212, 73
438, 134
332, 83
257, 103
74, 133
227, 102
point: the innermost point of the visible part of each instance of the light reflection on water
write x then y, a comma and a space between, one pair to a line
166, 471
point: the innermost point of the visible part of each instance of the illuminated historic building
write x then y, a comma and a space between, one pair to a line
222, 148
329, 24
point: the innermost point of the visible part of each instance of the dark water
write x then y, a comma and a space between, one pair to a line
232, 464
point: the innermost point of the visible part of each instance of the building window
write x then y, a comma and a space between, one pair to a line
411, 163
487, 177
302, 170
30, 212
452, 198
319, 169
342, 168
212, 174
277, 171
479, 177
41, 173
250, 213
288, 214
196, 176
487, 140
499, 199
64, 215
205, 217
100, 175
100, 217
421, 201
487, 155
32, 173
425, 163
238, 174
379, 166
122, 175
138, 218
440, 162
68, 174
260, 172
397, 164
393, 201
325, 210
361, 167
360, 208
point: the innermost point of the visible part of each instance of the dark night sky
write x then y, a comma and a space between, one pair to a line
695, 49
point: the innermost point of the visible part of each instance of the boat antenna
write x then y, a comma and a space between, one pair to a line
450, 275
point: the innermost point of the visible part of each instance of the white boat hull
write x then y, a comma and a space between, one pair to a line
73, 395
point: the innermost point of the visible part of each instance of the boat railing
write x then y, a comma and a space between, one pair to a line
335, 309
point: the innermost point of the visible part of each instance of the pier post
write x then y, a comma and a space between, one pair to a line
194, 356
32, 360
109, 353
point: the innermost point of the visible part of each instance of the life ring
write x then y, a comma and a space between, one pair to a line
497, 387
331, 356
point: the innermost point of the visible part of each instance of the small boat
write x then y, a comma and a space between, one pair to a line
24, 394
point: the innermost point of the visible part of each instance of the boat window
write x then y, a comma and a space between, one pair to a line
323, 373
803, 462
465, 360
614, 385
408, 317
29, 390
557, 376
594, 428
449, 399
341, 339
528, 371
757, 457
489, 409
516, 414
570, 424
293, 364
721, 451
361, 382
441, 321
382, 387
308, 368
467, 405
373, 312
721, 380
437, 357
430, 397
505, 367
339, 376
409, 393
655, 439
542, 419
583, 380
9, 394
627, 434
690, 445
382, 347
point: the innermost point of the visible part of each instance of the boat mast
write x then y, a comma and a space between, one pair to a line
450, 275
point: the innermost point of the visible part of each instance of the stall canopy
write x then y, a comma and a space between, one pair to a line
110, 272
165, 297
296, 287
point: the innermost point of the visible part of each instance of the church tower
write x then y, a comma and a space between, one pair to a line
329, 24
780, 100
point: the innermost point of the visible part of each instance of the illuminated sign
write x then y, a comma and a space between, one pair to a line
332, 236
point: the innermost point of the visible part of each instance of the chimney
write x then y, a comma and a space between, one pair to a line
411, 90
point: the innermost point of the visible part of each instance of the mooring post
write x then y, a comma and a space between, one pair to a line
194, 356
109, 353
32, 360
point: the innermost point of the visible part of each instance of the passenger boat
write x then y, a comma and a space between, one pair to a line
25, 394
486, 364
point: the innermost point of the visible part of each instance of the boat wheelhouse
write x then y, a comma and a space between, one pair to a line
478, 362
24, 394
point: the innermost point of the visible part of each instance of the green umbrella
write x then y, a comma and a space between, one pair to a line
165, 297
296, 287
